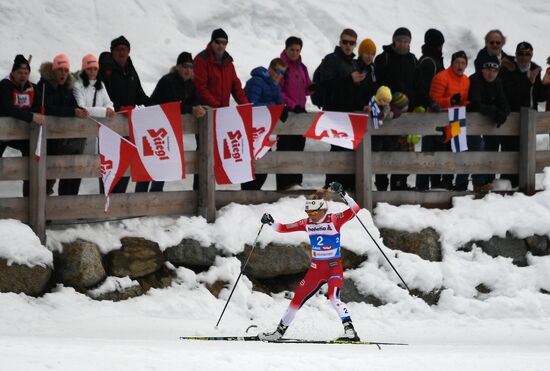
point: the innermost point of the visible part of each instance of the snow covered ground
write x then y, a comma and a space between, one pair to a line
508, 329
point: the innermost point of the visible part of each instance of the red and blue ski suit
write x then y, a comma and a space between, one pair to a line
326, 266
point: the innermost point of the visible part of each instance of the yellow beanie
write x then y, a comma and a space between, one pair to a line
367, 45
383, 94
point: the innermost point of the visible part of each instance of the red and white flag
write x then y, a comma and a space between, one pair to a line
264, 119
38, 150
157, 133
115, 154
339, 128
233, 155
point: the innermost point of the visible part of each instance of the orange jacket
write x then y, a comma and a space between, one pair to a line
445, 84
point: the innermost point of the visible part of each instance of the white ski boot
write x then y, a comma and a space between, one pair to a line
349, 332
275, 335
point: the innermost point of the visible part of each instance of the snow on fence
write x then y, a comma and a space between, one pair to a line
38, 207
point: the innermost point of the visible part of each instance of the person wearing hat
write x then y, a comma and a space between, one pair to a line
523, 88
177, 85
215, 76
20, 99
486, 96
90, 91
123, 85
57, 83
395, 67
364, 64
323, 229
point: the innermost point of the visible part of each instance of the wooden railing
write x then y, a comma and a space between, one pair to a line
38, 208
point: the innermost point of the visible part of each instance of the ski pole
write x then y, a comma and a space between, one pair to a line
240, 274
379, 248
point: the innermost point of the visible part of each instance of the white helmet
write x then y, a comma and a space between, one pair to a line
316, 205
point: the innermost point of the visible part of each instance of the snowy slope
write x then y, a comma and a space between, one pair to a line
508, 329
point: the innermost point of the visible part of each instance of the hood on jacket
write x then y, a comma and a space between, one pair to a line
47, 74
261, 72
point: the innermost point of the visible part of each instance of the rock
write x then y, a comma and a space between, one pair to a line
137, 257
190, 254
79, 265
276, 260
119, 294
350, 293
483, 289
157, 280
431, 298
216, 287
508, 247
18, 278
538, 245
424, 243
351, 260
277, 284
543, 291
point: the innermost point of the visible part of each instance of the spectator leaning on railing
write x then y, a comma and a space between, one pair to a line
59, 100
20, 99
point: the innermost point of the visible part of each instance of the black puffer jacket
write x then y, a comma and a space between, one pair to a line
518, 88
396, 71
488, 98
58, 99
122, 83
8, 107
171, 88
336, 81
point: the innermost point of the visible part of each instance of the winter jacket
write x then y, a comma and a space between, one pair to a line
367, 87
294, 85
59, 100
84, 96
261, 90
336, 82
429, 64
446, 84
217, 80
122, 83
172, 88
19, 103
519, 90
396, 71
488, 98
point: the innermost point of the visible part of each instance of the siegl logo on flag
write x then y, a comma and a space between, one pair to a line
155, 144
232, 148
106, 165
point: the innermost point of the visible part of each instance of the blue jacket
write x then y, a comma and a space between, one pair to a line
261, 90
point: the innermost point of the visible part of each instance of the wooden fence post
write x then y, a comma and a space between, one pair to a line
363, 172
527, 150
37, 183
207, 181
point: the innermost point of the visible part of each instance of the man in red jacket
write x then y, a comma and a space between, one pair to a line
215, 76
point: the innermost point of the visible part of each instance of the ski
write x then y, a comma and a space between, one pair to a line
286, 340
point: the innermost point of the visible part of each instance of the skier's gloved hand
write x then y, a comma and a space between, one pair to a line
337, 187
455, 99
267, 219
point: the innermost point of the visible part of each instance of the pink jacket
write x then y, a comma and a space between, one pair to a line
294, 85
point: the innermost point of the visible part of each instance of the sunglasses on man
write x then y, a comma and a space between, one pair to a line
187, 65
279, 71
348, 42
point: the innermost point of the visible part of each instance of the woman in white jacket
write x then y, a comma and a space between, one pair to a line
90, 92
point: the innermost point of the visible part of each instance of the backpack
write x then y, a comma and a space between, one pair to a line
318, 96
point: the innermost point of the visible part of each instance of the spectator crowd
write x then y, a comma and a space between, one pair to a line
394, 78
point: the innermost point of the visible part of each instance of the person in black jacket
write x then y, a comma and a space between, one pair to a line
176, 86
57, 84
429, 64
487, 97
20, 99
339, 82
123, 85
395, 68
523, 88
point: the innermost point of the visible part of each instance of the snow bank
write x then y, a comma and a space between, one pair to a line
19, 245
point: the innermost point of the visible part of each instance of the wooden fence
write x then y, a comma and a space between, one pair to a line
38, 208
